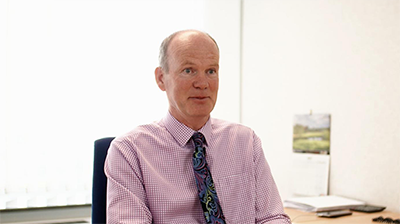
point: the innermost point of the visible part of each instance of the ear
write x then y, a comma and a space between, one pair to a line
159, 75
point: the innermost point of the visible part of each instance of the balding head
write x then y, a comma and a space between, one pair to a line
164, 48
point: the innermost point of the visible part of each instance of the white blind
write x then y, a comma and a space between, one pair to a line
73, 71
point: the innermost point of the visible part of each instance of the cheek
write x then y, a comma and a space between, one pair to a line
183, 86
180, 90
214, 85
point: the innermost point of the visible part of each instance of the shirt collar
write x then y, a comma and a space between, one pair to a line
183, 133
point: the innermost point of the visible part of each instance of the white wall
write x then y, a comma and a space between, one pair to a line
339, 57
222, 20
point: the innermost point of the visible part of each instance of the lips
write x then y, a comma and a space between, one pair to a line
199, 97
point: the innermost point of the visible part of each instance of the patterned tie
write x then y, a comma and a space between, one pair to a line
205, 185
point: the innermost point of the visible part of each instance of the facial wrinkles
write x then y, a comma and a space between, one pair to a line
195, 50
199, 59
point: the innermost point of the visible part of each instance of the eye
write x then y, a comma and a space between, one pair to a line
187, 71
212, 72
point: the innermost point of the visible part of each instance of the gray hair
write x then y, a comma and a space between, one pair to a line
163, 56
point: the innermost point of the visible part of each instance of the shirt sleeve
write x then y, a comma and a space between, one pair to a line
269, 207
126, 198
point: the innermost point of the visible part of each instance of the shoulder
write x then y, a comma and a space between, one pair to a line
141, 134
220, 124
239, 130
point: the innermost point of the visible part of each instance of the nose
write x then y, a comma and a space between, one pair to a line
201, 81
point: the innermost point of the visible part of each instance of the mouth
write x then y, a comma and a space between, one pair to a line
199, 97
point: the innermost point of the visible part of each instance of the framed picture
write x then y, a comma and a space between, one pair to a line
311, 133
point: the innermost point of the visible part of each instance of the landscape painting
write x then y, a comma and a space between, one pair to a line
311, 133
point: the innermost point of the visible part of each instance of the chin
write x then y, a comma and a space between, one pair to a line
201, 111
201, 114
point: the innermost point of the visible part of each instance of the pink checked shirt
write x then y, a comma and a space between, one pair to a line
151, 180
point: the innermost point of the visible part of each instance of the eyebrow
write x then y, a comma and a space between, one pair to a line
187, 63
215, 65
191, 63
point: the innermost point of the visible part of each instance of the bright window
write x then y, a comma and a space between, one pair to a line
74, 71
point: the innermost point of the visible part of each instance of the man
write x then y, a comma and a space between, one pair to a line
153, 171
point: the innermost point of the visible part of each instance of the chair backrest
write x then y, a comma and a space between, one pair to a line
99, 190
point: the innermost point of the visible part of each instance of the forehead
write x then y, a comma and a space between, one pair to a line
192, 46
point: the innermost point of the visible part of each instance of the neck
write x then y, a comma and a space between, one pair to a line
195, 123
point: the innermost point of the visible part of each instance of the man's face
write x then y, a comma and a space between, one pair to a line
191, 83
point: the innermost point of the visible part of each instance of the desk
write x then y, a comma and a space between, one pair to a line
298, 217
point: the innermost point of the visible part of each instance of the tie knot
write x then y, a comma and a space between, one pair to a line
199, 149
198, 139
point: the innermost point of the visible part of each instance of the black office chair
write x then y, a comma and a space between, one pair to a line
99, 190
